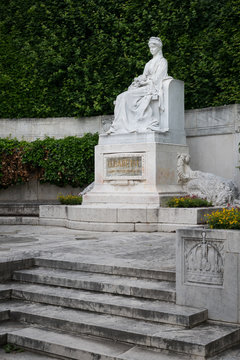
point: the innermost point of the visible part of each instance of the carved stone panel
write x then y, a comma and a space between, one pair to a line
203, 261
124, 166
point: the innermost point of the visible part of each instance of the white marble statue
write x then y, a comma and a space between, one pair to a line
139, 108
218, 190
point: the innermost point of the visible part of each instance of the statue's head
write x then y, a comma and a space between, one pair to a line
183, 158
156, 41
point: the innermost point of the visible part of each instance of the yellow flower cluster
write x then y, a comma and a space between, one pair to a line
227, 218
70, 199
188, 202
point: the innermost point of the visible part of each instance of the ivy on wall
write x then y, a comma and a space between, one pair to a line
71, 58
68, 161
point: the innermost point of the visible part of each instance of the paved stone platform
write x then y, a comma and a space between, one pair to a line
135, 249
154, 251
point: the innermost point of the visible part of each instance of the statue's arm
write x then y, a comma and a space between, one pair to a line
141, 80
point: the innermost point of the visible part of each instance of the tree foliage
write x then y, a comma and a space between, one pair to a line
71, 58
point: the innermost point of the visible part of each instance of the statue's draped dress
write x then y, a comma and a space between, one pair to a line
133, 111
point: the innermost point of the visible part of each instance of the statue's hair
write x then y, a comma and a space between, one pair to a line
155, 40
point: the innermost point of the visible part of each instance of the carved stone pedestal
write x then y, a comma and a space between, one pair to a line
207, 270
135, 169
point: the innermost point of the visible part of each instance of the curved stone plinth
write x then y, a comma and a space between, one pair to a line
122, 218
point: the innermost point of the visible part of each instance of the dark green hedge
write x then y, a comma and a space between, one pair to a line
68, 161
71, 58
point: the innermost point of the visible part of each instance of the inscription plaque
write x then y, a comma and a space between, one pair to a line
124, 166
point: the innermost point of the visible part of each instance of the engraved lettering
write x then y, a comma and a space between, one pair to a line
124, 166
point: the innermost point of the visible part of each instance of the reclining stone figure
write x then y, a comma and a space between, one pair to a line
218, 190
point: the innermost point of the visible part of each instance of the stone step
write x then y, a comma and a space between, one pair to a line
144, 288
5, 294
4, 315
6, 327
68, 346
203, 340
25, 355
150, 310
115, 267
19, 220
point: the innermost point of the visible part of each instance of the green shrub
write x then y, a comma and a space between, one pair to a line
188, 202
224, 219
68, 161
71, 58
70, 199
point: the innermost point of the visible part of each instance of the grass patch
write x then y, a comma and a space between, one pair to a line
11, 348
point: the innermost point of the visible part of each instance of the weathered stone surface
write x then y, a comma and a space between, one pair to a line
204, 340
102, 226
161, 290
8, 266
157, 311
25, 355
99, 265
142, 255
187, 216
20, 209
19, 220
129, 250
207, 271
49, 211
4, 315
68, 346
90, 214
53, 222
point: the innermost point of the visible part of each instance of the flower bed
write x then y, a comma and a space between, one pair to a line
188, 202
70, 199
227, 218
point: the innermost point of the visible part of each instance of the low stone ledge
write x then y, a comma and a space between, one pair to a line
19, 220
192, 216
134, 218
91, 214
53, 211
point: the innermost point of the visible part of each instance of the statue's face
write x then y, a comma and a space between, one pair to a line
154, 49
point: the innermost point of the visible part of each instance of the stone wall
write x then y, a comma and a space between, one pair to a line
32, 129
35, 192
213, 135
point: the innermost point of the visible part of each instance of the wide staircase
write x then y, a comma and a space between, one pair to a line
88, 311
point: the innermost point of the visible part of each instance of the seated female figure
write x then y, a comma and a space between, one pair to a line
133, 108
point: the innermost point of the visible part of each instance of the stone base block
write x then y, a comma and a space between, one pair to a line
137, 172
